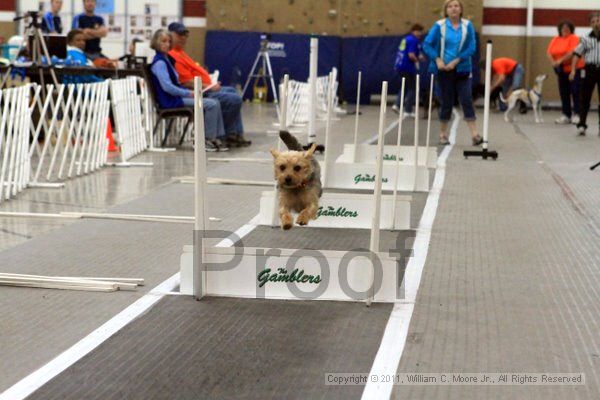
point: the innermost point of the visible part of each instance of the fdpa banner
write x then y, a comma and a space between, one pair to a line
234, 53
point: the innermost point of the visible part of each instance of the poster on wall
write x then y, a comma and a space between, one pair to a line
105, 6
115, 24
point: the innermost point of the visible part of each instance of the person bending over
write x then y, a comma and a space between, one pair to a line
507, 74
230, 100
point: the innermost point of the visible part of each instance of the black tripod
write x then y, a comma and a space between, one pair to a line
594, 166
37, 49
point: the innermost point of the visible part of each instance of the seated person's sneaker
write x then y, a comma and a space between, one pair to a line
563, 120
238, 141
210, 147
220, 145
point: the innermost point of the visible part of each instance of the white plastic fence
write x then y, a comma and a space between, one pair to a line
126, 101
298, 99
72, 119
14, 141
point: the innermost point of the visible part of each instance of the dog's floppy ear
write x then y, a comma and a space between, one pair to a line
309, 153
275, 153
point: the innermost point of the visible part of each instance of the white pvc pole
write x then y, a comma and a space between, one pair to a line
200, 206
327, 161
397, 172
416, 144
429, 121
356, 117
486, 98
375, 222
283, 99
312, 82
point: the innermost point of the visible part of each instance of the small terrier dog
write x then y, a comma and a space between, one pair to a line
298, 178
533, 97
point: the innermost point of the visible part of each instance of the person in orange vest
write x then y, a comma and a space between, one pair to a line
188, 69
507, 74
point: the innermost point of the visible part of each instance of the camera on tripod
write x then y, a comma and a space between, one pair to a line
34, 15
264, 41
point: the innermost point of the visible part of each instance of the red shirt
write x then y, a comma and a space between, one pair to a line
559, 46
187, 68
503, 66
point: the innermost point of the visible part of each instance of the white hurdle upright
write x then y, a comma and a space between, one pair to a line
260, 272
312, 91
366, 153
129, 129
14, 141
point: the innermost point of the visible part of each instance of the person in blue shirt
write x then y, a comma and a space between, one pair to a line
407, 62
76, 57
450, 45
51, 22
170, 94
93, 28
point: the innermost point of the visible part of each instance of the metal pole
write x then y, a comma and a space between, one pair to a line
486, 99
416, 144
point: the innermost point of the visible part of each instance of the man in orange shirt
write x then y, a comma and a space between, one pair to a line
188, 69
508, 74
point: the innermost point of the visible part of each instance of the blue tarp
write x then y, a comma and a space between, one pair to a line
233, 54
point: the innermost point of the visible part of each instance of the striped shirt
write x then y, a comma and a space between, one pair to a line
589, 48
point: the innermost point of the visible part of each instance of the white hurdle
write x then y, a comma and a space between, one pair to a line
258, 272
366, 153
129, 129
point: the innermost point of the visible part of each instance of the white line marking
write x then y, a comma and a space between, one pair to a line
394, 338
390, 127
43, 375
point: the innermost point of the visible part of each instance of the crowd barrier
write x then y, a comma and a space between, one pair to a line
70, 135
298, 99
53, 133
133, 117
14, 141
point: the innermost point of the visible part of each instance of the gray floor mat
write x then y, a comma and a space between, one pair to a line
229, 349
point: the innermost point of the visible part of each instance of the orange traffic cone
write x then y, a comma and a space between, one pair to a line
109, 135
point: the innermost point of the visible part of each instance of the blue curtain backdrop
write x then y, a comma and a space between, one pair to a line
233, 54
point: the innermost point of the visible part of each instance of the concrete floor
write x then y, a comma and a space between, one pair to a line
510, 283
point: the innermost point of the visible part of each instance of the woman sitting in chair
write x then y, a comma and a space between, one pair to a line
170, 94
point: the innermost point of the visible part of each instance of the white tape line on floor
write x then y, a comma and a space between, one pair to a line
396, 331
43, 375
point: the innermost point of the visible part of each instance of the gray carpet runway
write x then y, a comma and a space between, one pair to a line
221, 348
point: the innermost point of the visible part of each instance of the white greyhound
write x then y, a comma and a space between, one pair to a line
532, 97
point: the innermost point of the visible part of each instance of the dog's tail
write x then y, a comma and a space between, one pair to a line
290, 141
502, 97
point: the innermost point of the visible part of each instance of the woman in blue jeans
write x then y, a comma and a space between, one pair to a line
170, 94
451, 44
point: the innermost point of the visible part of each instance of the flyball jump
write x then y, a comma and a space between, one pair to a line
258, 272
